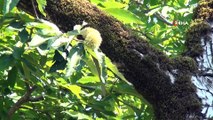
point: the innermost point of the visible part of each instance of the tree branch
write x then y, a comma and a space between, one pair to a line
143, 65
25, 98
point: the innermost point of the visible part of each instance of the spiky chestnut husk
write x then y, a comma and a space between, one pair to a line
92, 37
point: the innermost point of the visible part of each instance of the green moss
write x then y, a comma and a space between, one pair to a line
204, 10
197, 30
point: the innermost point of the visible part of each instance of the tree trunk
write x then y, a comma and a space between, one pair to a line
165, 83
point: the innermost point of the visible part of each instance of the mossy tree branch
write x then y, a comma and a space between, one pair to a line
145, 67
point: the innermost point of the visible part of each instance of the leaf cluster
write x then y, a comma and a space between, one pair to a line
68, 80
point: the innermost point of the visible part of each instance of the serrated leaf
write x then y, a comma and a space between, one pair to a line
97, 66
124, 15
6, 61
12, 77
9, 5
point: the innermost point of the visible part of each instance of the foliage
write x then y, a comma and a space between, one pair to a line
162, 23
47, 74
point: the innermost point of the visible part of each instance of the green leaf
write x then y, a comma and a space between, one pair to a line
41, 6
127, 89
57, 56
113, 4
17, 52
96, 1
6, 20
44, 28
153, 2
76, 90
37, 40
16, 25
114, 69
77, 115
73, 59
1, 6
24, 36
90, 63
9, 5
43, 60
60, 62
28, 64
26, 17
124, 15
153, 11
88, 79
6, 61
58, 65
57, 42
12, 76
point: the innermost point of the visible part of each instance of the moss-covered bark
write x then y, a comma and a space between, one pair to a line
199, 28
199, 47
144, 66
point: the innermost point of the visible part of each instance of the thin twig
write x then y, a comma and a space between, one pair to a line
34, 8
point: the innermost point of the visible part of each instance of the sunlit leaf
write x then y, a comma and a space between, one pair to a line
88, 79
114, 69
74, 89
124, 15
73, 59
153, 11
41, 6
37, 40
113, 4
89, 61
9, 5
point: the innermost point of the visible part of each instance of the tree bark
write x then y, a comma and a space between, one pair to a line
200, 47
165, 83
